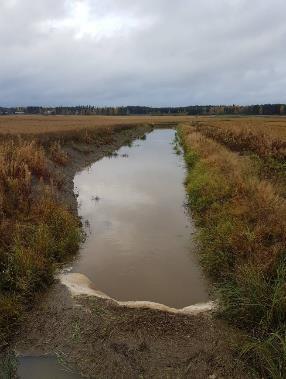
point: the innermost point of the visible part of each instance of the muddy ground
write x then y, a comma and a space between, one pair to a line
103, 340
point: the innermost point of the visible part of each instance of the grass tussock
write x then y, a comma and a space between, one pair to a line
36, 232
243, 243
58, 155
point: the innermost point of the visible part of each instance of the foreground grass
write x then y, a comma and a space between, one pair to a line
36, 231
242, 221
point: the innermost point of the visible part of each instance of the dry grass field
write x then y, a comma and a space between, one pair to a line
263, 128
274, 126
35, 125
265, 137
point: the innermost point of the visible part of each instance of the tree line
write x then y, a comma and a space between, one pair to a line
264, 109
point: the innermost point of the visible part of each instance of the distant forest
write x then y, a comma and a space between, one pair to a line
265, 109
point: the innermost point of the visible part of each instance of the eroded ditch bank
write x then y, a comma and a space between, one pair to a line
105, 339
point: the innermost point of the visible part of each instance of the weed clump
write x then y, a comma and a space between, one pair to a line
58, 155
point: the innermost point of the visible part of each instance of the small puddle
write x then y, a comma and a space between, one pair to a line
140, 244
44, 368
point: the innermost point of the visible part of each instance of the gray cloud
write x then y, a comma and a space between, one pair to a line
119, 52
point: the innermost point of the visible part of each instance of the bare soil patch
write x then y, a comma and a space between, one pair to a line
105, 340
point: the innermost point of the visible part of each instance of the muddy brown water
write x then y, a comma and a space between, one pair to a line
44, 368
140, 239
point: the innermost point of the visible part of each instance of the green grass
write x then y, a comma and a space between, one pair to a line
269, 354
8, 366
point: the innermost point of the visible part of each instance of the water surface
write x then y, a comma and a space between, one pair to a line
140, 238
44, 368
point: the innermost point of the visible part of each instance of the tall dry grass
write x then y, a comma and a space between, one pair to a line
266, 139
249, 200
242, 221
36, 232
58, 155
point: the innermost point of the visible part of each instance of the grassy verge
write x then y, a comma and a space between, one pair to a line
36, 231
242, 221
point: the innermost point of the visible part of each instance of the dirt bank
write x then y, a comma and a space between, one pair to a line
102, 339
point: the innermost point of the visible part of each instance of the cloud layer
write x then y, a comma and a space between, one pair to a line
126, 52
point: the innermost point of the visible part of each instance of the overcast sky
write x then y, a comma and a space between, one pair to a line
142, 52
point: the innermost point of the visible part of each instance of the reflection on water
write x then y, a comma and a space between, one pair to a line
43, 368
139, 244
